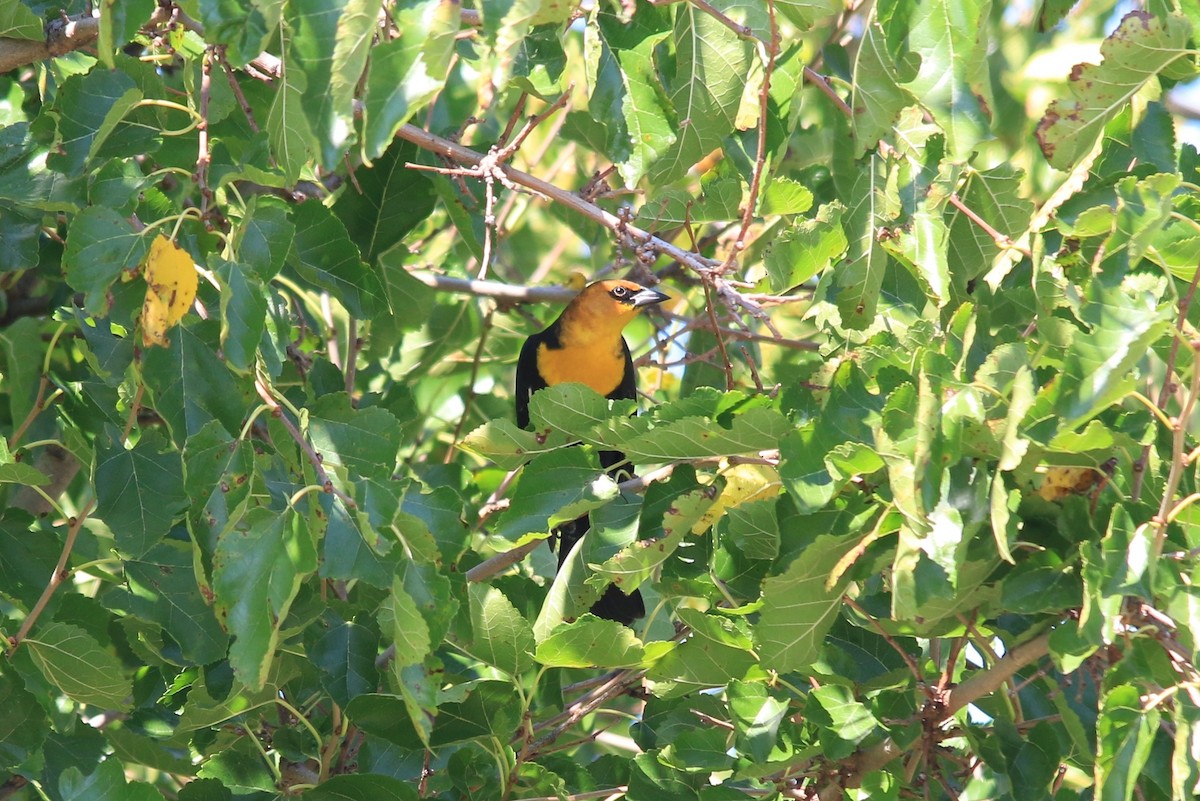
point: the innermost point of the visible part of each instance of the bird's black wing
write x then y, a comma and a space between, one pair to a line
529, 380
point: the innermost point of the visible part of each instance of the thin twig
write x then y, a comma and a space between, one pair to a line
469, 398
1168, 387
203, 158
716, 329
59, 575
464, 155
314, 458
908, 660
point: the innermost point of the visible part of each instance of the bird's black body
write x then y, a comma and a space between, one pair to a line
611, 304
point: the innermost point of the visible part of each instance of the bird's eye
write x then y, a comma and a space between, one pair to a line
619, 292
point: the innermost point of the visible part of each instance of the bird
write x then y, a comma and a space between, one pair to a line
585, 345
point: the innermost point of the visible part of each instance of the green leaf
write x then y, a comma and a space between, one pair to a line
408, 71
90, 107
952, 82
1097, 368
139, 492
73, 661
502, 637
324, 256
100, 246
856, 285
355, 25
554, 488
384, 204
879, 87
258, 566
192, 386
105, 783
805, 249
403, 622
362, 787
491, 709
756, 718
591, 642
364, 441
1141, 48
801, 604
18, 22
288, 127
712, 64
844, 720
243, 314
1124, 732
346, 656
162, 588
626, 98
24, 726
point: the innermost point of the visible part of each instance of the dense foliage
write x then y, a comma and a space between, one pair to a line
916, 510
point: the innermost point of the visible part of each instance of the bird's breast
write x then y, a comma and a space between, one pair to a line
599, 366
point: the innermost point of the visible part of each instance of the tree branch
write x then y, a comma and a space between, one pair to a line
464, 155
62, 37
982, 683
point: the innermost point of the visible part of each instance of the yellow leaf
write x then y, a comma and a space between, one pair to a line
743, 483
170, 289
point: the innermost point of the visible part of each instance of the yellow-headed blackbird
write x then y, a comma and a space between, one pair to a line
585, 345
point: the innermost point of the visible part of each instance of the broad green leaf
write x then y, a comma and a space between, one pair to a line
805, 248
711, 67
346, 654
408, 71
288, 127
491, 709
257, 570
18, 22
626, 97
384, 204
364, 441
952, 82
90, 107
403, 623
1097, 366
362, 787
243, 314
191, 385
844, 720
162, 588
242, 27
73, 661
686, 515
106, 782
591, 642
24, 726
1143, 47
355, 25
800, 605
100, 246
757, 716
1124, 733
139, 492
880, 90
993, 195
856, 283
508, 446
323, 255
501, 636
264, 237
554, 488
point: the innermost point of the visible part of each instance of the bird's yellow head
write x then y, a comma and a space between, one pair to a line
604, 308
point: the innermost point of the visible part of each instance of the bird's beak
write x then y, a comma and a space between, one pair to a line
648, 297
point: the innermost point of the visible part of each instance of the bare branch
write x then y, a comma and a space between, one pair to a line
62, 37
